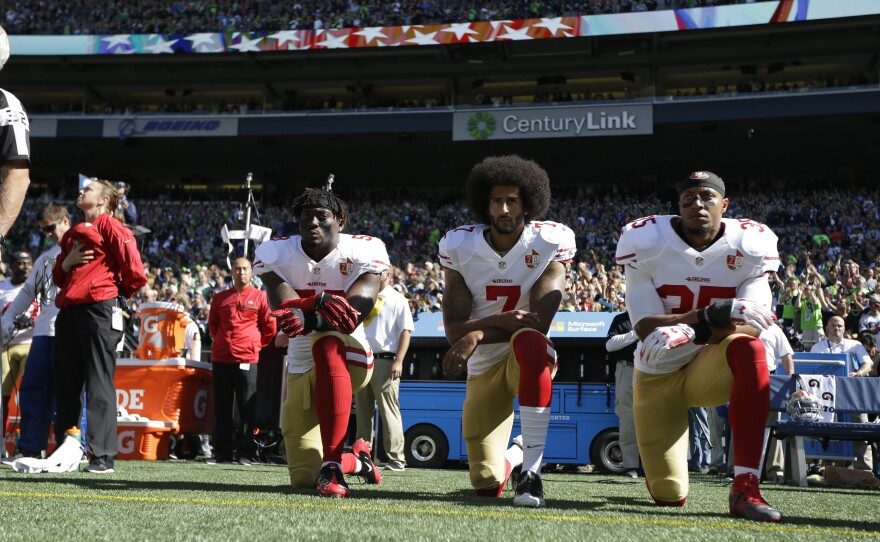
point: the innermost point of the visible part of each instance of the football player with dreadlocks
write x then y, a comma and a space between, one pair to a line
322, 284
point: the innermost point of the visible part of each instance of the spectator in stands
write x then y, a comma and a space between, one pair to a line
240, 327
98, 263
860, 361
870, 321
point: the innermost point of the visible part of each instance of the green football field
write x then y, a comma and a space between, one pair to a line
185, 500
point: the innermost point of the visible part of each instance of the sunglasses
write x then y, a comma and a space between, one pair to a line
50, 228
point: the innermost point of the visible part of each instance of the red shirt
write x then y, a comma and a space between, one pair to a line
240, 325
117, 267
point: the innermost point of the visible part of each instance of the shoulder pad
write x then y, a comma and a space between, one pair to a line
267, 255
559, 235
452, 242
367, 250
754, 238
644, 233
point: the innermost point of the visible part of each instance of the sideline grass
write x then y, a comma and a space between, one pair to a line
193, 501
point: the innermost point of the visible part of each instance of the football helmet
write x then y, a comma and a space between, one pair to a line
804, 406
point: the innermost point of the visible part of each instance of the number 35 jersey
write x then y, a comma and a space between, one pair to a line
665, 275
500, 284
335, 274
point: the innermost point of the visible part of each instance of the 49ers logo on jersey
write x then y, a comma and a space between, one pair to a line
734, 261
346, 267
533, 259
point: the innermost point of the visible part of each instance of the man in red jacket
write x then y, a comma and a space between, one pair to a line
240, 326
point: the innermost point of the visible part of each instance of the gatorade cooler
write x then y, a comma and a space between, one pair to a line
175, 390
145, 439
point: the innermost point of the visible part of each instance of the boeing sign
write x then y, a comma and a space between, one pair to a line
170, 127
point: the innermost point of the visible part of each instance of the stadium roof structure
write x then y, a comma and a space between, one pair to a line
285, 145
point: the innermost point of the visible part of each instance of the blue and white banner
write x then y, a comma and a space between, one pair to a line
149, 126
566, 325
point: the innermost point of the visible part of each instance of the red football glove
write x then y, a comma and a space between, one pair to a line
337, 312
288, 322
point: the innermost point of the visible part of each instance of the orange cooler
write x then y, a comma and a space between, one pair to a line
147, 439
177, 391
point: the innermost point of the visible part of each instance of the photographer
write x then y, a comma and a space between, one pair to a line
126, 207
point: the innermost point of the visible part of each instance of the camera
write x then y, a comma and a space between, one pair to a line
22, 321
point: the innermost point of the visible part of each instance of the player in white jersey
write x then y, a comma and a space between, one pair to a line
504, 281
698, 297
323, 284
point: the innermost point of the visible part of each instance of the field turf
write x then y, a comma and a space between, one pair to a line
186, 500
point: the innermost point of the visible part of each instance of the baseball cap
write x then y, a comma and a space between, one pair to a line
20, 255
184, 270
702, 178
874, 298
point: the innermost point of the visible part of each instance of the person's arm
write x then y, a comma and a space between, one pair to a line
214, 317
866, 363
16, 178
788, 364
619, 342
496, 328
277, 291
195, 350
266, 323
363, 293
282, 340
122, 247
402, 347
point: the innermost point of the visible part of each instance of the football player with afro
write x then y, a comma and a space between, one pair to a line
504, 281
698, 296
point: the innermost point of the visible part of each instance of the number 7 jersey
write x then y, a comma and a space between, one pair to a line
665, 275
500, 284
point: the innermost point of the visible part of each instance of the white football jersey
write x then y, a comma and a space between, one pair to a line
8, 292
335, 274
665, 275
500, 284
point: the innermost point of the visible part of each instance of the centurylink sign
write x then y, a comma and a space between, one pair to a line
542, 122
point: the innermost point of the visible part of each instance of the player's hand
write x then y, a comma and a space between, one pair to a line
745, 312
396, 370
513, 321
338, 312
6, 330
288, 321
456, 358
662, 340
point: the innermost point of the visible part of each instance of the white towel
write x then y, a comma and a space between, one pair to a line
65, 458
825, 388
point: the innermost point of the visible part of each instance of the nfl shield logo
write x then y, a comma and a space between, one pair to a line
347, 267
502, 265
533, 259
734, 261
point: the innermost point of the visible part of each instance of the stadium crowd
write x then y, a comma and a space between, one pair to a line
827, 238
87, 17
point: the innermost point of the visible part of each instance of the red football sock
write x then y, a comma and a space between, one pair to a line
332, 395
535, 383
749, 400
349, 464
